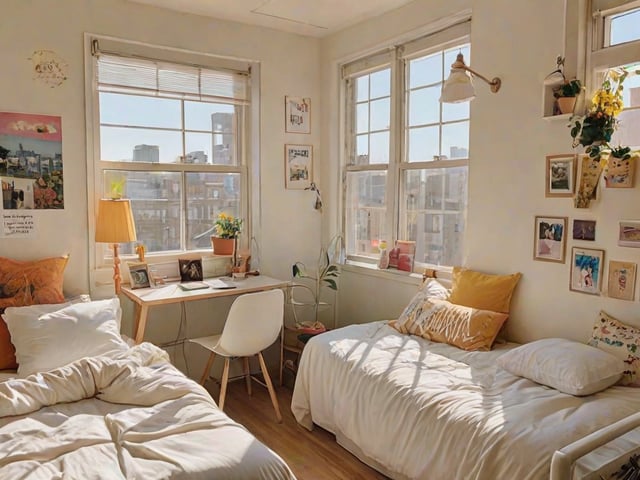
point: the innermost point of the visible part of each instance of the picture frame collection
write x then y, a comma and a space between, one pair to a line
298, 157
588, 272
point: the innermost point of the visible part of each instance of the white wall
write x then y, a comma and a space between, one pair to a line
289, 65
517, 41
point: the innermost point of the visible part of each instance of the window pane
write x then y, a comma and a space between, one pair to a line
381, 84
628, 132
455, 111
424, 106
624, 27
362, 150
435, 204
380, 114
209, 194
362, 118
155, 201
140, 145
631, 92
379, 147
139, 111
455, 140
210, 117
423, 144
425, 70
200, 145
365, 212
362, 88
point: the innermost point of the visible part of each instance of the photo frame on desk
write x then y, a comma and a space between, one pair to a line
190, 270
139, 275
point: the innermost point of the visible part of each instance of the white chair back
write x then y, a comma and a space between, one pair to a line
253, 323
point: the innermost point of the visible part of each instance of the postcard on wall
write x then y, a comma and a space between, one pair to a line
629, 234
622, 280
619, 172
18, 225
584, 230
586, 270
31, 169
297, 113
298, 166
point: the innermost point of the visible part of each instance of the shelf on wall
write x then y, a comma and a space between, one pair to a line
563, 116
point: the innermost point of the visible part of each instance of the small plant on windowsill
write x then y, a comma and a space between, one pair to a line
566, 95
227, 228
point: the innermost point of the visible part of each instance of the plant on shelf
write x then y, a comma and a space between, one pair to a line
595, 129
566, 95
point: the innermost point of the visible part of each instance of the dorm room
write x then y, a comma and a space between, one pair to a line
196, 115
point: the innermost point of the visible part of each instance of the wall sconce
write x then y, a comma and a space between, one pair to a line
458, 87
556, 77
115, 225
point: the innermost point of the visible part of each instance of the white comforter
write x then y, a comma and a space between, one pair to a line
423, 410
129, 416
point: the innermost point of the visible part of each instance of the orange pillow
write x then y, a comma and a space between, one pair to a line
483, 291
27, 283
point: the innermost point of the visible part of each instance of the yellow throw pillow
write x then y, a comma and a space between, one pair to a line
463, 327
27, 283
483, 291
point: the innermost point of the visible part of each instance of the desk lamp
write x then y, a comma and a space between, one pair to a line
115, 225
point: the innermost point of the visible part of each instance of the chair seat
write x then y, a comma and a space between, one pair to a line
211, 343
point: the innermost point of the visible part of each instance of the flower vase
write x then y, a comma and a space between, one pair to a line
590, 171
223, 246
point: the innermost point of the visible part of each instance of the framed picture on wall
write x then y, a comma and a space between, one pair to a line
629, 234
587, 268
560, 175
622, 280
584, 230
297, 113
298, 166
550, 239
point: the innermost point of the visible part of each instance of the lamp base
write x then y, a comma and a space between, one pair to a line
116, 268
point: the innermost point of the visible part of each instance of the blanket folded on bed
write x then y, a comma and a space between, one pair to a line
130, 415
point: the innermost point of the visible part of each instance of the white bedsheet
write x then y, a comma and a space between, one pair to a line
130, 416
423, 410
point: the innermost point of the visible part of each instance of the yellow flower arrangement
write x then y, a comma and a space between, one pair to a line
227, 226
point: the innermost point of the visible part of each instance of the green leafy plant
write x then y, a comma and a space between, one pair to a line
572, 88
228, 226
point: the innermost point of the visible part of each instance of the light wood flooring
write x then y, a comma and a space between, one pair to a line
311, 455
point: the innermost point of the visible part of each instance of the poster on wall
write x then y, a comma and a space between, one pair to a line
18, 224
31, 168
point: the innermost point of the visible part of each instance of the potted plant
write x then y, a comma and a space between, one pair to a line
566, 95
227, 229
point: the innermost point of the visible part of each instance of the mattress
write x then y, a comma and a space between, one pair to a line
421, 410
125, 416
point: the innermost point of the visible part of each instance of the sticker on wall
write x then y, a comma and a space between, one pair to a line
49, 68
31, 169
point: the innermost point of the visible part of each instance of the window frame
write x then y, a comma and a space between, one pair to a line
246, 139
397, 59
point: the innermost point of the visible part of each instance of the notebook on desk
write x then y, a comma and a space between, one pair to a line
187, 286
221, 284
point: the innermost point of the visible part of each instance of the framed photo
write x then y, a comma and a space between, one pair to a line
619, 172
586, 270
298, 166
190, 270
561, 175
139, 275
629, 234
584, 230
622, 280
550, 243
297, 113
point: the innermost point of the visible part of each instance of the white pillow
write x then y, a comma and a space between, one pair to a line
46, 339
567, 366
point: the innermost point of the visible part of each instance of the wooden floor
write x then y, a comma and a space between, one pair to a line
311, 455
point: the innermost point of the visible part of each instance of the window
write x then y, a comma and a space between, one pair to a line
171, 137
616, 43
407, 154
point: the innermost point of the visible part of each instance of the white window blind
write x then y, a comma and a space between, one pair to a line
136, 75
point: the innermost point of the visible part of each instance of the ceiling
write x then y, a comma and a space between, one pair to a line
316, 18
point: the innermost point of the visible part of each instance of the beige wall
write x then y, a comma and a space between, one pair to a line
517, 41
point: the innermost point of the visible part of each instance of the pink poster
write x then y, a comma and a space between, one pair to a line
31, 168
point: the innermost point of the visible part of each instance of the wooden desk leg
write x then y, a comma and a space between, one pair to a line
141, 323
281, 353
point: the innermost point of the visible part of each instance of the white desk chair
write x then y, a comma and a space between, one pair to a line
253, 323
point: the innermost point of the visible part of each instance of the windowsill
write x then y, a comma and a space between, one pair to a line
411, 278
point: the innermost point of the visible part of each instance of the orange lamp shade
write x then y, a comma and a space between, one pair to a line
115, 222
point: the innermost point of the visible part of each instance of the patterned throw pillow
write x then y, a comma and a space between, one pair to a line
623, 341
27, 283
463, 327
430, 288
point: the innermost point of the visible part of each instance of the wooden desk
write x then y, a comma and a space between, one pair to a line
144, 298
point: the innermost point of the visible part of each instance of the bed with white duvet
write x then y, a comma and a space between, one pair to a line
416, 409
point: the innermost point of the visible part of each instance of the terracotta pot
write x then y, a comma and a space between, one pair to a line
566, 104
223, 246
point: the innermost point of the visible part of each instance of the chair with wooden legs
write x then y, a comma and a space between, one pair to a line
253, 323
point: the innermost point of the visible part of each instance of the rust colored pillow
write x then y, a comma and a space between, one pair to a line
27, 283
